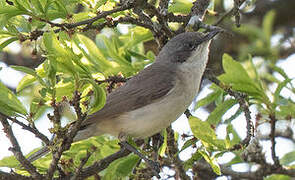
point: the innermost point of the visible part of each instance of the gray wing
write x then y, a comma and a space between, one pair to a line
147, 86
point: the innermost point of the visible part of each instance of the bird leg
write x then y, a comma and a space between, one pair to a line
152, 164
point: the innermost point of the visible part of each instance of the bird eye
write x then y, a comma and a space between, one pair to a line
190, 46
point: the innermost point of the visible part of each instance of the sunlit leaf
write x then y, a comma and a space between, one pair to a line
164, 145
191, 161
180, 6
209, 98
7, 42
232, 132
279, 89
64, 89
238, 79
203, 131
9, 161
267, 25
37, 4
212, 161
37, 108
58, 53
121, 167
288, 158
92, 53
220, 110
24, 69
9, 104
30, 72
188, 143
99, 95
278, 177
26, 81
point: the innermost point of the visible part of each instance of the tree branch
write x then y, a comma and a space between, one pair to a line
17, 150
13, 176
100, 165
35, 131
272, 139
240, 97
173, 153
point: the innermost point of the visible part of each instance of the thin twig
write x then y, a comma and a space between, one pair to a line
16, 150
264, 171
100, 165
162, 20
173, 154
35, 131
68, 138
66, 26
231, 12
272, 139
241, 98
13, 176
82, 164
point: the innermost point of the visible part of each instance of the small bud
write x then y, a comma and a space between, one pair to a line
9, 2
64, 99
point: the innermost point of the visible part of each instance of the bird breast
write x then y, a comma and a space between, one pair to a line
151, 119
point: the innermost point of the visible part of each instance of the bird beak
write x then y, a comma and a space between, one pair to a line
211, 35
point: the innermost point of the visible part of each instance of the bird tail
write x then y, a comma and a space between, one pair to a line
85, 132
42, 152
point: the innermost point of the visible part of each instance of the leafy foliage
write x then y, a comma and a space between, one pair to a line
75, 61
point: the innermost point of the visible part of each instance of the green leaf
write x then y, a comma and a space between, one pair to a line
288, 109
237, 77
234, 71
61, 8
37, 108
9, 104
7, 42
63, 88
215, 116
25, 70
237, 159
38, 5
180, 6
279, 70
11, 11
137, 35
209, 98
56, 52
230, 130
19, 4
188, 143
203, 131
234, 116
288, 158
278, 177
163, 148
267, 25
99, 95
26, 81
30, 72
188, 164
121, 167
212, 161
10, 162
114, 54
92, 53
278, 90
100, 3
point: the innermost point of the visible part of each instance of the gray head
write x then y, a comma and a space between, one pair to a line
185, 45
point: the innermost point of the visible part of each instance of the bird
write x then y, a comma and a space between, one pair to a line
158, 95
